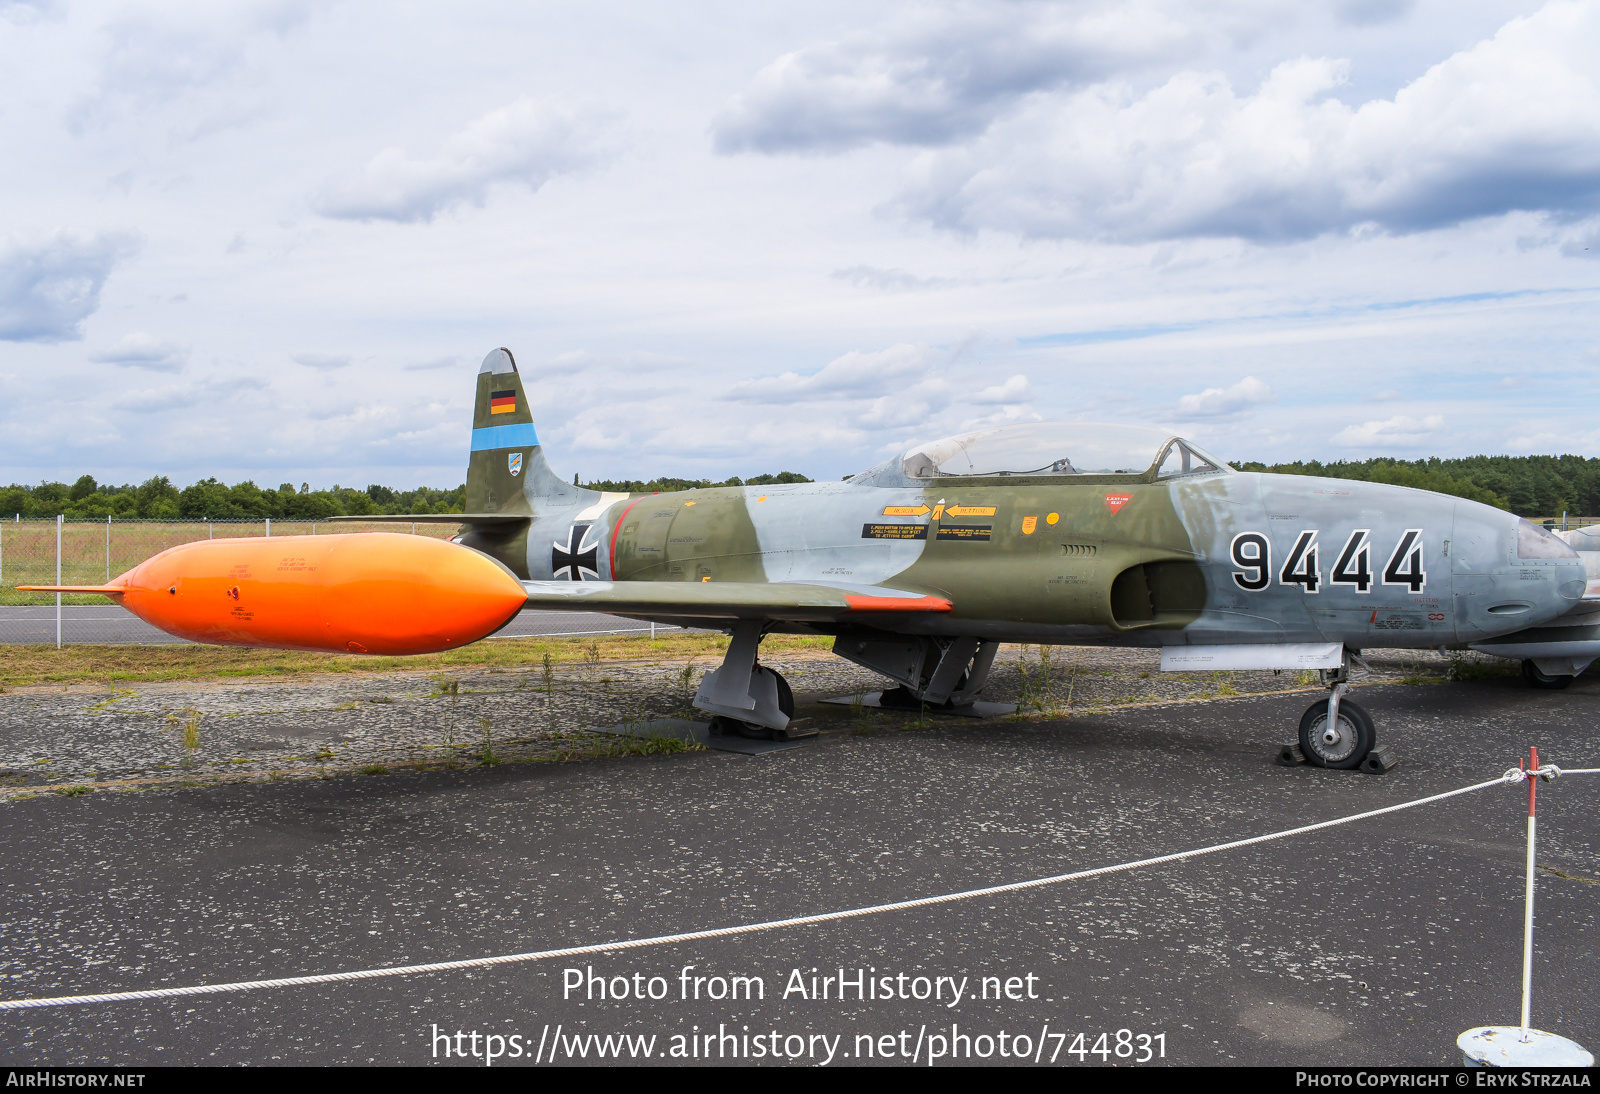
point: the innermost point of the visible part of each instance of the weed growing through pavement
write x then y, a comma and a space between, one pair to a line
73, 791
1036, 689
684, 689
1464, 668
373, 769
861, 721
1414, 674
190, 727
487, 756
653, 745
547, 672
443, 686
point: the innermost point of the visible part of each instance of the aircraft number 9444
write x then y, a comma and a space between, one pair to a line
1252, 560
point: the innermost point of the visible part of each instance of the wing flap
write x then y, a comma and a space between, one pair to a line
778, 601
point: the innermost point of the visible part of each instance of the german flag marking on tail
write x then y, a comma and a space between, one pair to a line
502, 402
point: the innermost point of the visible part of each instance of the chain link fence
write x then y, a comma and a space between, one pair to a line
80, 552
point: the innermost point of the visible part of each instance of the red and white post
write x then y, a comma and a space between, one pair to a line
1527, 909
1522, 1045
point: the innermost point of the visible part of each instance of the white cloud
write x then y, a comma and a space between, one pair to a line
1225, 402
141, 350
1014, 390
1372, 12
182, 396
25, 12
939, 72
323, 362
1510, 124
207, 60
851, 373
525, 144
48, 289
895, 280
1400, 430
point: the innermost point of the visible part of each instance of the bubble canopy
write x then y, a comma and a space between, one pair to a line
1050, 449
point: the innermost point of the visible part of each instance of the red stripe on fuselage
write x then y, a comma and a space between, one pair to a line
615, 531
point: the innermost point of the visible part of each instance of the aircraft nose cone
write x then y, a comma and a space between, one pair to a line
1546, 571
1508, 573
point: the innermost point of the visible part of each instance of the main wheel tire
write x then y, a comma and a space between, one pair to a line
785, 695
1352, 739
785, 704
898, 698
1544, 680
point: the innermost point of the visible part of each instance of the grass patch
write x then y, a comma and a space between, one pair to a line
1466, 668
645, 746
373, 769
25, 665
73, 791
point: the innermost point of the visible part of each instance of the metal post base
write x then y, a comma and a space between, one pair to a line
1512, 1046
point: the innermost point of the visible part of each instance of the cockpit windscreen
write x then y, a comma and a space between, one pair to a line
1054, 448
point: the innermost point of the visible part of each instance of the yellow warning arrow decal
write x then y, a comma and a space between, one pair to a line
905, 510
970, 510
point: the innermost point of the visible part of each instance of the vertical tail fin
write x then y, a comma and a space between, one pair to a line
507, 472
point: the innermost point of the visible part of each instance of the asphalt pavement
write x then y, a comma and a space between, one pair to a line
1374, 943
107, 623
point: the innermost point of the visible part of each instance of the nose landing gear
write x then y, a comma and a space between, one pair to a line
1337, 733
1342, 743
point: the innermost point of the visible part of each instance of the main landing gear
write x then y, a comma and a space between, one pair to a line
1337, 732
728, 726
1545, 681
745, 698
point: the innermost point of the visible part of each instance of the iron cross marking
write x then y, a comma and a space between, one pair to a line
574, 558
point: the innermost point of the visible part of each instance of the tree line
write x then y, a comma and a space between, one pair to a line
1530, 486
158, 499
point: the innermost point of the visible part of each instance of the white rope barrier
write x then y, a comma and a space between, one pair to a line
1512, 776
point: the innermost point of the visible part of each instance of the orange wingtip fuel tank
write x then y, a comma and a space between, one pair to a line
365, 593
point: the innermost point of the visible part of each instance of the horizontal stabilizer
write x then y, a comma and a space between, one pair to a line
776, 601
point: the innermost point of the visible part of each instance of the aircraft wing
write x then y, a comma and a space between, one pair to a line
432, 518
779, 601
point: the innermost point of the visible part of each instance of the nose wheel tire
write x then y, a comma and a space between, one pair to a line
1346, 744
752, 729
1544, 680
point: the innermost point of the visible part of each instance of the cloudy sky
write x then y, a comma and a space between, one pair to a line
274, 240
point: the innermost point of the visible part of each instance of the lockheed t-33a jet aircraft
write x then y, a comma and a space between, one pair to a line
920, 567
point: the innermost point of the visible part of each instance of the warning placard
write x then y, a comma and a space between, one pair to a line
966, 531
894, 531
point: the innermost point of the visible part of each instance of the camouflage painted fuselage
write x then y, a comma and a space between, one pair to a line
1108, 559
1208, 558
